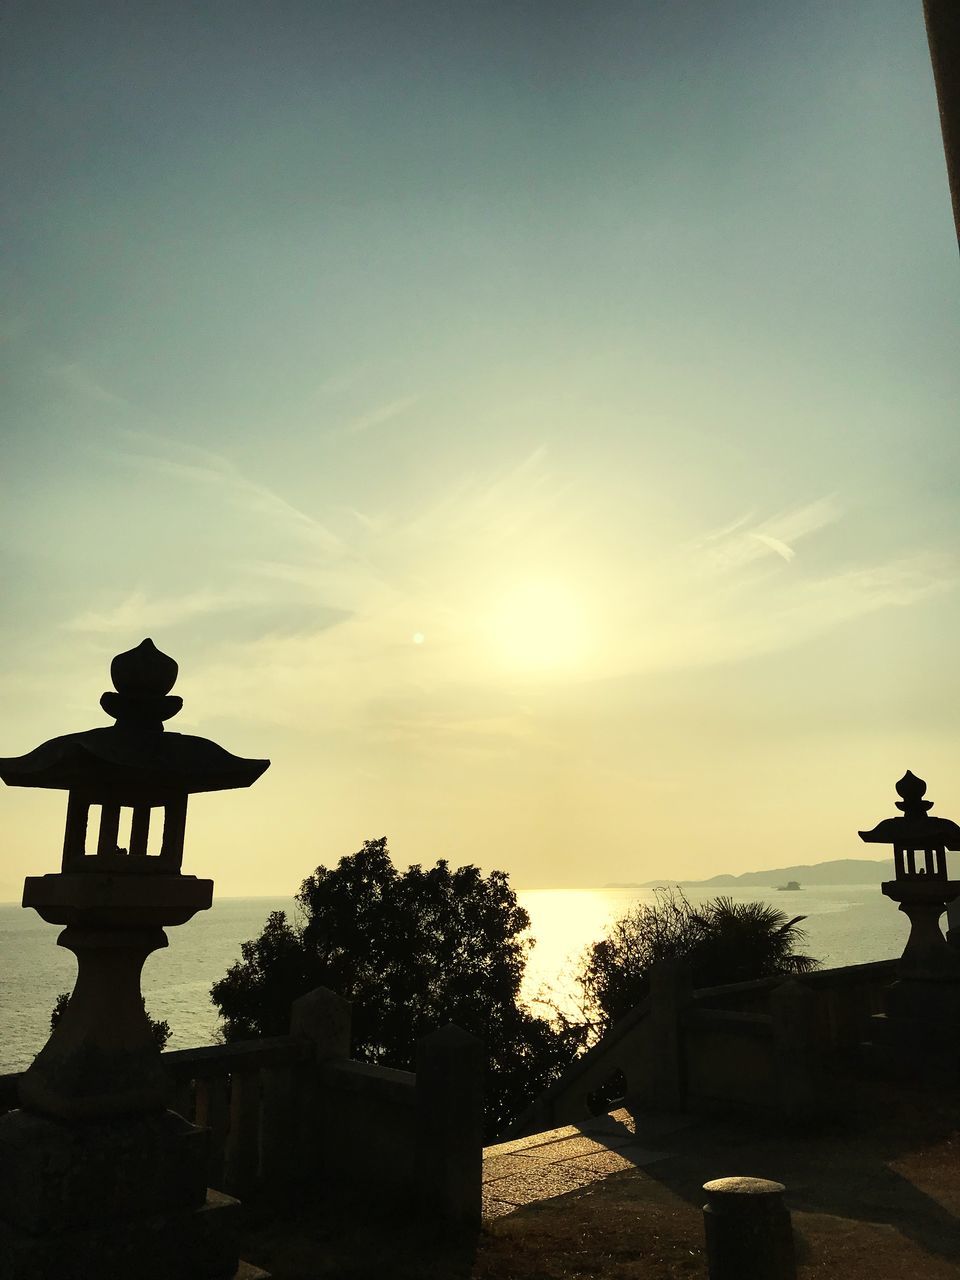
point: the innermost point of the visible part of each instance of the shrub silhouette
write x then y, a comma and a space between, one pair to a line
721, 940
160, 1027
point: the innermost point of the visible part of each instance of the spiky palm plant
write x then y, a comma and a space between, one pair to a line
740, 941
721, 941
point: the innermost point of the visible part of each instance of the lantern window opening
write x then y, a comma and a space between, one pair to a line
934, 863
133, 829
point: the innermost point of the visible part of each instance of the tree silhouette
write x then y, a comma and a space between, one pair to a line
412, 951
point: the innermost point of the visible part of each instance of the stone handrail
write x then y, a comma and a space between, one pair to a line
568, 1098
733, 993
223, 1059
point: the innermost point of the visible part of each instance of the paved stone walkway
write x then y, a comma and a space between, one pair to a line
561, 1160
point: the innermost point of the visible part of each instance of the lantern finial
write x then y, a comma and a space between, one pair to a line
911, 790
142, 680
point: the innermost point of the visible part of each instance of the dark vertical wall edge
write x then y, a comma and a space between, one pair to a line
943, 34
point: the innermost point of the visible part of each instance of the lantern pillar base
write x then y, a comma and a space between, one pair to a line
119, 1198
927, 957
190, 1244
918, 1034
57, 1175
102, 1060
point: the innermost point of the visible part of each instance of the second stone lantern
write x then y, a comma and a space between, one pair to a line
921, 885
93, 1145
919, 1029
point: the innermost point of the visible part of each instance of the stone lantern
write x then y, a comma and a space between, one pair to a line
93, 1162
920, 1026
921, 886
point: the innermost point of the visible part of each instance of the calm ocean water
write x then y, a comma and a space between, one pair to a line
846, 924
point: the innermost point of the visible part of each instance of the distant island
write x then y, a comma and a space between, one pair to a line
839, 871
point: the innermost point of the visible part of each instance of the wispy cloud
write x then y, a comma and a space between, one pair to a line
746, 539
140, 612
377, 417
740, 614
202, 467
153, 452
775, 544
318, 629
768, 622
76, 377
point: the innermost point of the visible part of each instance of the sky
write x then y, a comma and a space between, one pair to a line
532, 425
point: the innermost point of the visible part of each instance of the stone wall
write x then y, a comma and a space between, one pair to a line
728, 1060
366, 1126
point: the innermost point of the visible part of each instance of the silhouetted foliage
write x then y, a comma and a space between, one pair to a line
721, 940
412, 950
160, 1027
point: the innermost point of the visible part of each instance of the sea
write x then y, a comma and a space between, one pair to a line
845, 924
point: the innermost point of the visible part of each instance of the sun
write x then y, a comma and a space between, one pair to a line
539, 626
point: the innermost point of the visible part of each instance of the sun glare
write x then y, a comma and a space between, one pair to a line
539, 626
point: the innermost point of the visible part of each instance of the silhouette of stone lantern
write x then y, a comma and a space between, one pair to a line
922, 890
922, 1008
93, 1143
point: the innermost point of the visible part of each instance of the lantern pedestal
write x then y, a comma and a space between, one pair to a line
917, 1035
97, 1178
111, 1199
927, 957
186, 1244
101, 1059
919, 1030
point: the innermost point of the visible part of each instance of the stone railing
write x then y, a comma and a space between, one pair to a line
246, 1094
297, 1109
767, 1044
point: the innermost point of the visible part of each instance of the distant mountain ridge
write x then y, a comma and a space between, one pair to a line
838, 871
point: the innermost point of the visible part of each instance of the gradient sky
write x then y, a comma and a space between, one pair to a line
532, 425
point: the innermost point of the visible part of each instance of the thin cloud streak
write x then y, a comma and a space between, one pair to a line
749, 616
75, 377
214, 471
781, 548
139, 612
378, 417
736, 544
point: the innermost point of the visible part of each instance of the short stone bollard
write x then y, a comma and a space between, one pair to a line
747, 1225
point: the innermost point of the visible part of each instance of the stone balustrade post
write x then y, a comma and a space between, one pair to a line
323, 1017
670, 996
281, 1124
449, 1156
748, 1231
241, 1161
293, 1129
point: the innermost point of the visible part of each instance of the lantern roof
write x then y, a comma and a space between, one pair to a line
136, 754
916, 829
